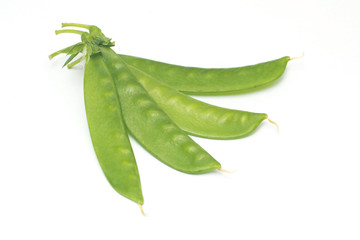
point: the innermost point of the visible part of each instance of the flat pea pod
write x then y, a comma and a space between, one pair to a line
108, 132
199, 118
212, 81
151, 126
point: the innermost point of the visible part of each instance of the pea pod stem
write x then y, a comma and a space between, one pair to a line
64, 50
69, 31
73, 49
76, 25
72, 64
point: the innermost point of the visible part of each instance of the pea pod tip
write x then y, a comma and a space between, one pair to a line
298, 57
274, 123
225, 171
142, 210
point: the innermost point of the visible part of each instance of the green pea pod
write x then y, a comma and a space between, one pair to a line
125, 95
196, 117
212, 81
151, 126
108, 132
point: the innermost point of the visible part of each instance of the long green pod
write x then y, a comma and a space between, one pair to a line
151, 126
199, 118
212, 81
108, 132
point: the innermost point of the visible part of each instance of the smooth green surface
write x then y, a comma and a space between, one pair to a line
108, 132
212, 81
151, 126
199, 118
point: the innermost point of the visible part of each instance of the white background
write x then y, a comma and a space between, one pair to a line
302, 183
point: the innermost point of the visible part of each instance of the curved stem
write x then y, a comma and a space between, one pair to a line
69, 31
75, 25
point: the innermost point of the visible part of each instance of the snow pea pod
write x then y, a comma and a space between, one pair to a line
199, 118
124, 97
212, 81
151, 126
108, 132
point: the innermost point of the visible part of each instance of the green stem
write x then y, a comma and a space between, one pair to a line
75, 25
69, 31
66, 50
70, 65
51, 56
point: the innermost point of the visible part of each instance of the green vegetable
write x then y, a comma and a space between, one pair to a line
126, 95
108, 132
199, 118
151, 127
212, 81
